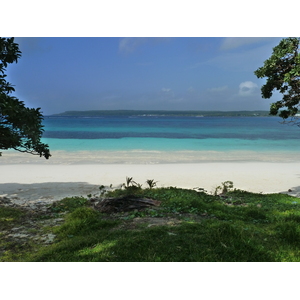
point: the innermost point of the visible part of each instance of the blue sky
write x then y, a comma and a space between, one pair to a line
197, 73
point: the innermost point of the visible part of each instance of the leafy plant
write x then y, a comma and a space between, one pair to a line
129, 182
151, 183
102, 190
225, 187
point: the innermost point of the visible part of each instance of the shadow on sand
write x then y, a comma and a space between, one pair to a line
294, 191
47, 191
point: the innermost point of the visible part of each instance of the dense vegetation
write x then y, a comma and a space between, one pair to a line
282, 73
20, 127
189, 225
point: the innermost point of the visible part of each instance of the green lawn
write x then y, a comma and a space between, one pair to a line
195, 227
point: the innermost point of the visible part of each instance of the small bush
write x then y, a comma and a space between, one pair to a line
68, 204
289, 232
255, 214
293, 217
82, 213
9, 215
80, 220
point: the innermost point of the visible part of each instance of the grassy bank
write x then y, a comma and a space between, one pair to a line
188, 225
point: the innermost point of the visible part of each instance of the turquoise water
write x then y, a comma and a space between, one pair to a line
170, 134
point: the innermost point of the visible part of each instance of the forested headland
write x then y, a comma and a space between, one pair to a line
170, 113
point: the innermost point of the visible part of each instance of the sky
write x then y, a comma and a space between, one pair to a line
100, 73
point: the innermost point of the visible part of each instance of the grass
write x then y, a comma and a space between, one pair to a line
9, 216
242, 227
68, 204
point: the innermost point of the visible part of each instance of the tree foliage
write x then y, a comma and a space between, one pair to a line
282, 71
20, 127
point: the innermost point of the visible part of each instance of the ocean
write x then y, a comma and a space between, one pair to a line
170, 133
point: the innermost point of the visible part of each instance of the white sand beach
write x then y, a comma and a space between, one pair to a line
36, 179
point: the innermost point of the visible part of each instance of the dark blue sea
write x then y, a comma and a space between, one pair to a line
168, 133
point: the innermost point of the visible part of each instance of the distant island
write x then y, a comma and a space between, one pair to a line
161, 113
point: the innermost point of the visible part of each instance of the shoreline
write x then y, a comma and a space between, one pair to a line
29, 178
148, 157
47, 183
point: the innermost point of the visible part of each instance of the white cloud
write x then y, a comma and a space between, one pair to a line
236, 42
247, 88
166, 94
129, 44
191, 89
245, 60
218, 89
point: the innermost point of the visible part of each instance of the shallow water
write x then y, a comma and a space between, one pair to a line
171, 134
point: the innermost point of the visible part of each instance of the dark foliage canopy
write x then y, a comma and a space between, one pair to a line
20, 127
282, 71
